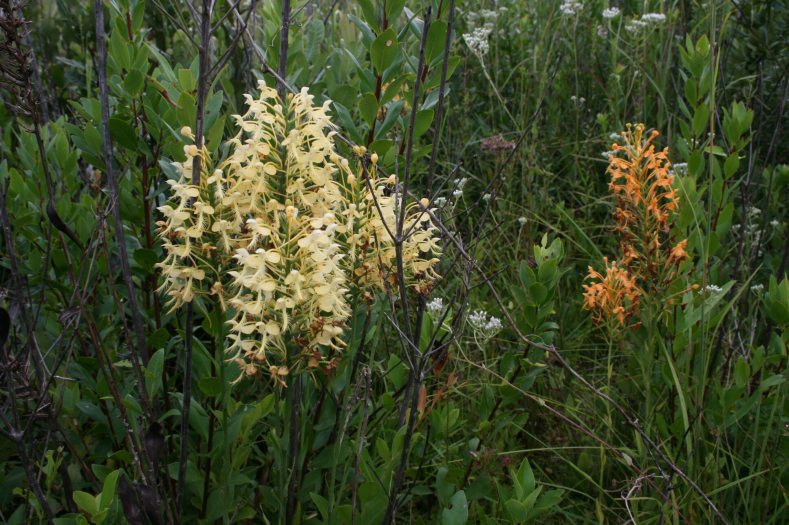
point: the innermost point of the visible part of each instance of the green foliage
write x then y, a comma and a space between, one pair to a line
504, 431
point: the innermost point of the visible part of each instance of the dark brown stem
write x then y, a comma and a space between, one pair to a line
409, 434
114, 195
440, 105
202, 93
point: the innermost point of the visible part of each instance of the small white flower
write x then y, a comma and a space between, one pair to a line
634, 26
486, 197
774, 223
611, 12
435, 307
680, 168
478, 319
483, 324
570, 7
493, 325
615, 136
522, 221
653, 18
757, 288
712, 289
440, 201
457, 193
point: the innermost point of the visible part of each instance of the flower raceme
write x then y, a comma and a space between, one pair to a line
282, 231
646, 202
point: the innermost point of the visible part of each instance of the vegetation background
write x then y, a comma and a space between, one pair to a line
492, 395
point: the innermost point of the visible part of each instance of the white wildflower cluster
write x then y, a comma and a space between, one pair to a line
458, 191
484, 324
653, 18
522, 221
611, 12
610, 153
646, 22
570, 7
578, 101
282, 232
711, 289
482, 24
435, 308
757, 288
486, 197
679, 168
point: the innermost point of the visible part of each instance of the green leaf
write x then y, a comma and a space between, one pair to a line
392, 113
153, 373
210, 386
86, 502
457, 514
436, 38
384, 50
731, 165
214, 137
146, 258
138, 16
525, 477
538, 293
119, 51
369, 13
700, 119
393, 9
322, 504
186, 79
422, 122
516, 510
368, 107
123, 133
133, 83
186, 110
312, 36
108, 489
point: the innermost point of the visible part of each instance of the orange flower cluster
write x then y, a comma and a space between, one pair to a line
615, 295
646, 201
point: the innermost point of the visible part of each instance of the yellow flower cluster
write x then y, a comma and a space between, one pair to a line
281, 229
642, 184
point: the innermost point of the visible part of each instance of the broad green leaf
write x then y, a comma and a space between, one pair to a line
108, 489
457, 514
383, 50
525, 477
133, 83
153, 373
86, 502
368, 107
422, 122
436, 38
